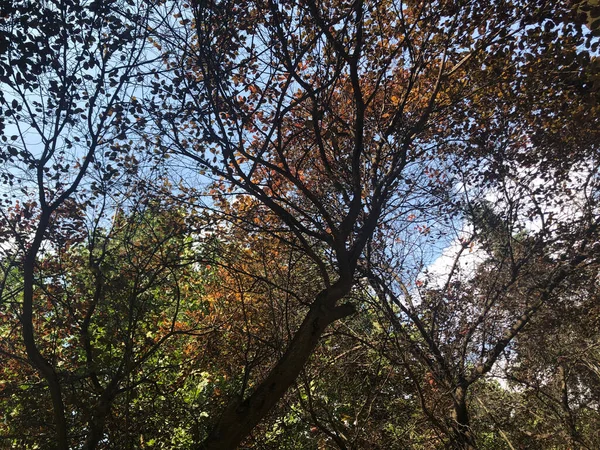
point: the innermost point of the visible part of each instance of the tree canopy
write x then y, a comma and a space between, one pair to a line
299, 224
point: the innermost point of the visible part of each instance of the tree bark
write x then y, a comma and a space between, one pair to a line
464, 439
40, 363
97, 422
242, 415
43, 367
569, 418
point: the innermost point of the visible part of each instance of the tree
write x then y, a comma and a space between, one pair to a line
556, 367
69, 74
459, 323
324, 114
336, 147
116, 312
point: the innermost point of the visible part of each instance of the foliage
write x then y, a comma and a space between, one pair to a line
225, 224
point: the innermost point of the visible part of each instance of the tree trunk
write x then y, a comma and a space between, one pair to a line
575, 438
96, 423
463, 438
242, 415
38, 361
